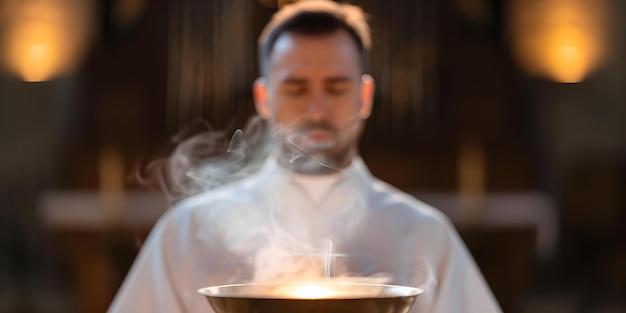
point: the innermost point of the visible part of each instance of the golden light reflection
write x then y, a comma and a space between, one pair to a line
111, 175
46, 38
472, 179
311, 291
326, 290
560, 39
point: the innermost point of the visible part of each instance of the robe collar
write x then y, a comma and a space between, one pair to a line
356, 175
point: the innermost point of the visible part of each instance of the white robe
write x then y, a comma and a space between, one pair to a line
274, 225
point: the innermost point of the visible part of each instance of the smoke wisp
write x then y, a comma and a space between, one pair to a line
204, 159
299, 240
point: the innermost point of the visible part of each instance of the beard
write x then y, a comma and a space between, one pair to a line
315, 148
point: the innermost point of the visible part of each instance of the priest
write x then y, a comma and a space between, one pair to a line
309, 209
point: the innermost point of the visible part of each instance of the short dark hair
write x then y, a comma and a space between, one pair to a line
317, 17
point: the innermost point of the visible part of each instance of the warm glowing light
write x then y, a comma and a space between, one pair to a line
561, 39
33, 51
111, 174
471, 179
38, 54
312, 291
45, 38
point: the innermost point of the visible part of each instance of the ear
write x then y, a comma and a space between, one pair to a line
259, 90
367, 95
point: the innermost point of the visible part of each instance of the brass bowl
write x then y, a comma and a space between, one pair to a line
315, 297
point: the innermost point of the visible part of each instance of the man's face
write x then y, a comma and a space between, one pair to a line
314, 100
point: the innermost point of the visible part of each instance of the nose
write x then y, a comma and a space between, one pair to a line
318, 107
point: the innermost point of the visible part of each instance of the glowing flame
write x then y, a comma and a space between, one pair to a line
312, 291
569, 56
45, 38
39, 56
34, 51
337, 289
561, 39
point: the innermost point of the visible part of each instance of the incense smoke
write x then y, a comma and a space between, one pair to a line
297, 240
204, 159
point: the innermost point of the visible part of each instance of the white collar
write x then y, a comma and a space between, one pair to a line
316, 186
356, 174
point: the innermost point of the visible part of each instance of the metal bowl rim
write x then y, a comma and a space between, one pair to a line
412, 291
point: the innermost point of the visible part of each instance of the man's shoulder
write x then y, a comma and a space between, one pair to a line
390, 198
203, 218
210, 202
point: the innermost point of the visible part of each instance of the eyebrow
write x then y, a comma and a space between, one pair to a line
294, 81
329, 80
337, 79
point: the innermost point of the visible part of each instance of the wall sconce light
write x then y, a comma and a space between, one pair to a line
45, 38
561, 39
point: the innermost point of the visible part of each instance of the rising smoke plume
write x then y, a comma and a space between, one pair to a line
204, 159
299, 247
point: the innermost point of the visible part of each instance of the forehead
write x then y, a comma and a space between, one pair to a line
299, 54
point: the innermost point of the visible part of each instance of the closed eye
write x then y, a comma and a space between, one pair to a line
338, 88
294, 87
294, 90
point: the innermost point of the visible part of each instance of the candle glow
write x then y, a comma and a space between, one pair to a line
560, 39
44, 39
312, 291
321, 290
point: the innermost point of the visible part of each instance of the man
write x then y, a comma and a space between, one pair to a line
313, 210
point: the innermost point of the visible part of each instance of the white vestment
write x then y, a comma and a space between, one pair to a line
276, 226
